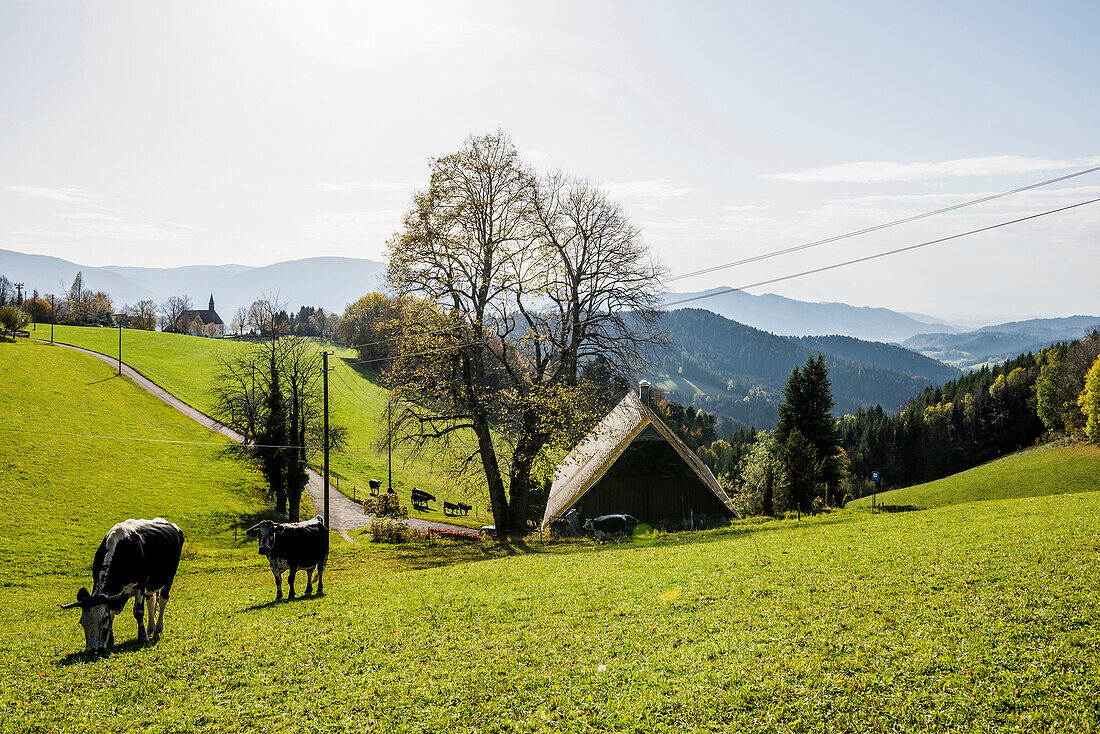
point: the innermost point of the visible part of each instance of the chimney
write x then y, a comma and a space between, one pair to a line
643, 391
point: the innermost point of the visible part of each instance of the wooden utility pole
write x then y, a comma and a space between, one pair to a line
120, 350
389, 448
53, 317
325, 369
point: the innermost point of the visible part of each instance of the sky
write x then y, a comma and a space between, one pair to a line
170, 134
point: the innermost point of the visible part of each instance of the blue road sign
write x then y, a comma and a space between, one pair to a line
874, 477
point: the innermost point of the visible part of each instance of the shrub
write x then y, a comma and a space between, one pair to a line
385, 505
13, 319
387, 530
818, 506
847, 498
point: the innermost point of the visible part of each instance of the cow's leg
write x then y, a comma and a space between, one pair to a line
290, 580
139, 615
309, 581
162, 598
320, 586
154, 598
278, 574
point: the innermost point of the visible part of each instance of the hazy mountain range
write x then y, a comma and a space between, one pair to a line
333, 282
997, 343
329, 282
786, 316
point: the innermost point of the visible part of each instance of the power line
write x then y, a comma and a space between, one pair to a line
416, 354
880, 254
877, 227
221, 444
397, 338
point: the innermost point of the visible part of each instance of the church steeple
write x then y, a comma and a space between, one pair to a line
211, 301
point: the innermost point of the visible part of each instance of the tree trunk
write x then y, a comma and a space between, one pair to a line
497, 496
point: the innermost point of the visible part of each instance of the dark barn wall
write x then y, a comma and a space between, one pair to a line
651, 482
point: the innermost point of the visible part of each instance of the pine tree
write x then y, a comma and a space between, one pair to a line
806, 406
801, 471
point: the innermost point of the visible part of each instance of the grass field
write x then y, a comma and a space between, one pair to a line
187, 367
1044, 470
983, 617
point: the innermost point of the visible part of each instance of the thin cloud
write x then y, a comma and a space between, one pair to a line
357, 186
888, 171
68, 194
653, 189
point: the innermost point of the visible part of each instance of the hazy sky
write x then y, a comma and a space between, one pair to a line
167, 134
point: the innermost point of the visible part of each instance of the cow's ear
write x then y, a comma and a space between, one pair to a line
253, 531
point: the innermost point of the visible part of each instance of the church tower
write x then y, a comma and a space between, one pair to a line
211, 301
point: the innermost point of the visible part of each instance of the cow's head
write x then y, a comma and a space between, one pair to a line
266, 532
97, 614
587, 524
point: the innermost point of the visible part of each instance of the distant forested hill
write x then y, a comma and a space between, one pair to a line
1000, 342
884, 355
739, 372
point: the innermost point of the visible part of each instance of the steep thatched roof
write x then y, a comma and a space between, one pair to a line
587, 463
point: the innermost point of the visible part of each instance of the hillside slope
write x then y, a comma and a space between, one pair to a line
1038, 472
999, 342
781, 315
738, 372
187, 366
82, 449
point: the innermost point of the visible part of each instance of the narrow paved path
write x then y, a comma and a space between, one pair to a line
344, 513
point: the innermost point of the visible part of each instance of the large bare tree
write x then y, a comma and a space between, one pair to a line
513, 282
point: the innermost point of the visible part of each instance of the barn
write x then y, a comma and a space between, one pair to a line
633, 463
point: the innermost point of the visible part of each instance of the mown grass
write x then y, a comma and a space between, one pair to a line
187, 366
983, 617
1041, 471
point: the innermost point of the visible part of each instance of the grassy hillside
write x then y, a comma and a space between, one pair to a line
68, 471
982, 618
1046, 470
187, 367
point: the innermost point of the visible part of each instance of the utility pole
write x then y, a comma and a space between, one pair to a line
53, 317
19, 294
120, 350
34, 310
389, 448
325, 369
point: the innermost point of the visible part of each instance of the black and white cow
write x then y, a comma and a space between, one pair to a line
293, 546
137, 558
604, 525
375, 485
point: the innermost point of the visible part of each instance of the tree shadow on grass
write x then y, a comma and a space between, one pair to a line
897, 508
125, 648
368, 371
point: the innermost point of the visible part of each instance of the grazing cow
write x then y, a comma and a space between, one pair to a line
449, 509
293, 546
603, 526
375, 485
137, 558
421, 498
464, 508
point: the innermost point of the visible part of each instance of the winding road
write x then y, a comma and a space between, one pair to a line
344, 514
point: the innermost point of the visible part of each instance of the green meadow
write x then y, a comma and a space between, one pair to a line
970, 617
187, 366
1037, 472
